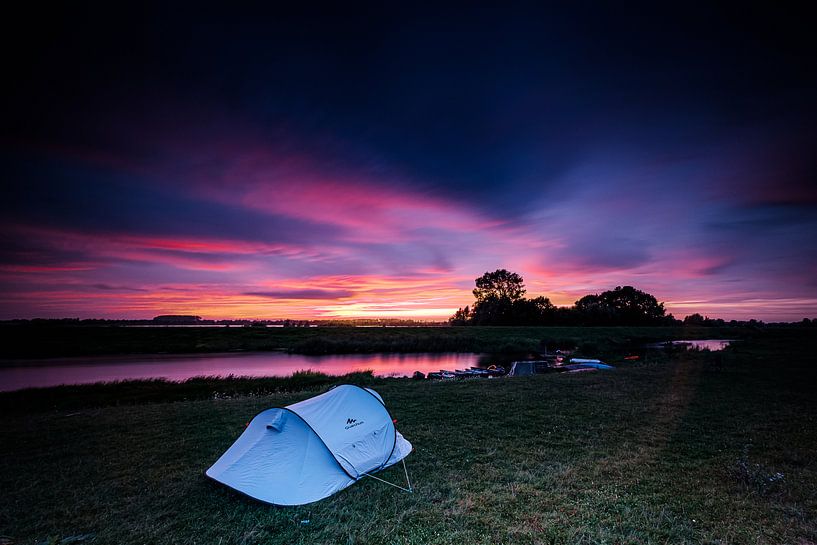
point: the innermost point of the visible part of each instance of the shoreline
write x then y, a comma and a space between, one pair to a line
148, 391
27, 343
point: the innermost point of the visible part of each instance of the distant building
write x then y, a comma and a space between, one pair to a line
183, 319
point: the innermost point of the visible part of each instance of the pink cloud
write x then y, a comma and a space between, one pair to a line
180, 252
363, 205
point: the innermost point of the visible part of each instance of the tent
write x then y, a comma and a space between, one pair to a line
309, 450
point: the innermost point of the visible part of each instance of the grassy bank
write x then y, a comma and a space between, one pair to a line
687, 448
135, 392
36, 341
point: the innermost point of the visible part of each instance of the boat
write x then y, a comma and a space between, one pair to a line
472, 372
584, 360
589, 366
442, 374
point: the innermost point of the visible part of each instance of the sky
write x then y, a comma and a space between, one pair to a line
372, 162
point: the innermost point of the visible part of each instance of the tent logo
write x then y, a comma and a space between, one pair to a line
351, 423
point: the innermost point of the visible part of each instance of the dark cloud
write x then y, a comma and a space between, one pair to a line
65, 195
21, 249
109, 287
766, 218
484, 106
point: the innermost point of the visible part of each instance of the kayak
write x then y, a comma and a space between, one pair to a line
586, 366
583, 360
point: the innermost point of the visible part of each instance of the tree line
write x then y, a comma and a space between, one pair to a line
500, 300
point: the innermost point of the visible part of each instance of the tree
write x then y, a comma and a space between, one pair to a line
537, 311
493, 311
698, 320
500, 300
499, 295
621, 306
592, 310
461, 317
500, 284
694, 319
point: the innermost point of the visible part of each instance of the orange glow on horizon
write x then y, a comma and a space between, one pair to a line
229, 278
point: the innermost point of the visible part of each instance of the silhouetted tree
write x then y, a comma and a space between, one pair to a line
592, 310
500, 301
499, 295
537, 311
500, 284
461, 317
621, 306
698, 320
493, 310
694, 319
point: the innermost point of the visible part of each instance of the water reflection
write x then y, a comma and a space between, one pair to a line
260, 364
696, 344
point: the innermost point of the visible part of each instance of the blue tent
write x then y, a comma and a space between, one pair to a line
309, 450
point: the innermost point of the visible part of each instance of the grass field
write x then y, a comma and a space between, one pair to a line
33, 341
681, 448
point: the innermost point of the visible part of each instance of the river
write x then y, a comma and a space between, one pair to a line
712, 345
52, 372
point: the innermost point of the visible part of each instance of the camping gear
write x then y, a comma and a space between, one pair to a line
522, 369
312, 449
531, 367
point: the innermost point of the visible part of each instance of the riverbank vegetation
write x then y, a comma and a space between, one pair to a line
680, 447
135, 392
50, 341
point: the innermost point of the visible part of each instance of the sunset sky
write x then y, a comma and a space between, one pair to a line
339, 164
